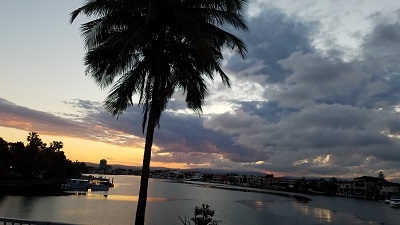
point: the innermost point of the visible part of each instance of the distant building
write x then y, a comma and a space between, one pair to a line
345, 188
387, 188
103, 164
366, 186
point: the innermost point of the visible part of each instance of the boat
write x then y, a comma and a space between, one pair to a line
394, 204
78, 185
395, 198
104, 180
111, 184
100, 185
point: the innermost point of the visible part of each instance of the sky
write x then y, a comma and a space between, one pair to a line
318, 93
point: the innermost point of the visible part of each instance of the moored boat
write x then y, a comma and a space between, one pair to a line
395, 204
99, 185
395, 198
78, 185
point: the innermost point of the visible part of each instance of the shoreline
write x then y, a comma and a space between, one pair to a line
282, 192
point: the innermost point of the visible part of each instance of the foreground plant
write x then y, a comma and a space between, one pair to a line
152, 48
202, 216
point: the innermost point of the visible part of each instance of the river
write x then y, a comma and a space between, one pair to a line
168, 201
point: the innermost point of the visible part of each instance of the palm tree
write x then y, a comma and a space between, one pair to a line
152, 48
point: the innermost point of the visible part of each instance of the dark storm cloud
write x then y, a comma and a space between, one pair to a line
381, 56
321, 79
383, 42
272, 36
324, 106
319, 126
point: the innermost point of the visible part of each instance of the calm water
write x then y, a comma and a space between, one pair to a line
167, 201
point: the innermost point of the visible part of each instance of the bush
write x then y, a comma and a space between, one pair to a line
202, 216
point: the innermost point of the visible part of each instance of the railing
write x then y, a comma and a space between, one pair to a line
13, 221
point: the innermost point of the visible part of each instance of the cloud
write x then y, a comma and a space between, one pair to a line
93, 125
272, 37
24, 118
323, 105
316, 78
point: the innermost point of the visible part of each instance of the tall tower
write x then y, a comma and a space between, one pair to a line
103, 164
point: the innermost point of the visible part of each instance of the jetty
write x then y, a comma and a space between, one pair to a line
31, 187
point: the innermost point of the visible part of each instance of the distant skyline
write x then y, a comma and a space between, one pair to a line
317, 95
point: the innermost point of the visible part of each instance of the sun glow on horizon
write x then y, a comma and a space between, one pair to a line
82, 150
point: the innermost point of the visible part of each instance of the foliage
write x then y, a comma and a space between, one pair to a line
202, 216
381, 175
80, 167
36, 160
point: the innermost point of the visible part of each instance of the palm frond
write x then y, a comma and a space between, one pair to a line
178, 46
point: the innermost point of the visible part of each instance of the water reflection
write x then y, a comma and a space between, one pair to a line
298, 198
129, 198
26, 205
322, 215
2, 198
258, 205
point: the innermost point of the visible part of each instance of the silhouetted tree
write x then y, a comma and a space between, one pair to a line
153, 48
381, 175
20, 160
4, 157
26, 162
81, 167
35, 142
202, 216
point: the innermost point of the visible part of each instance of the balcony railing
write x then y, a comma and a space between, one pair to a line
13, 221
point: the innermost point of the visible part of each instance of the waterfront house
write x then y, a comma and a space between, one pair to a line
216, 178
196, 176
250, 180
282, 183
387, 189
235, 179
321, 186
366, 186
264, 181
345, 188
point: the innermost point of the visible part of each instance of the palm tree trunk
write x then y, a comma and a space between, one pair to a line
153, 11
151, 125
144, 179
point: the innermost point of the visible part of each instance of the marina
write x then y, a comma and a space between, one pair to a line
95, 183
